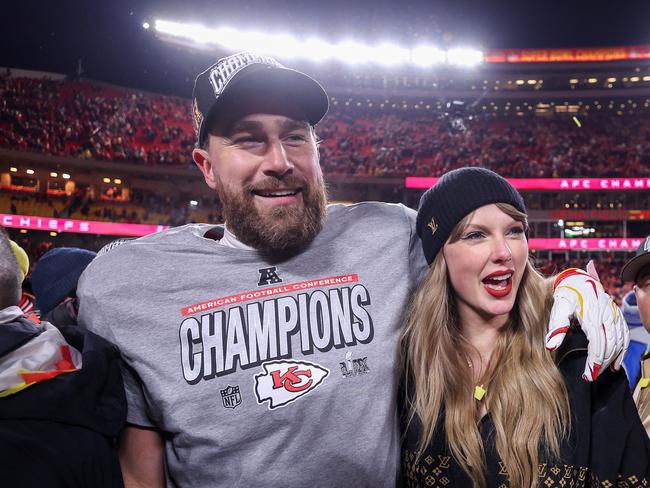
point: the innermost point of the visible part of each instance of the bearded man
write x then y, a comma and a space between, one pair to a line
264, 352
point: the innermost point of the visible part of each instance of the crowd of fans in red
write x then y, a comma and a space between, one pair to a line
88, 121
608, 265
79, 119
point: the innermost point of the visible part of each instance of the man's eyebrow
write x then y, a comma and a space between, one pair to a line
291, 124
244, 126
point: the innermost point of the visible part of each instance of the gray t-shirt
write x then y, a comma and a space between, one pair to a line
258, 373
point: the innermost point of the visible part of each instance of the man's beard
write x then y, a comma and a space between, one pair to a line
282, 230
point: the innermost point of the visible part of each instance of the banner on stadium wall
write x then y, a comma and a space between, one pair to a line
78, 226
558, 184
590, 244
613, 214
572, 55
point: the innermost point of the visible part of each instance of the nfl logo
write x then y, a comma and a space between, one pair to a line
231, 396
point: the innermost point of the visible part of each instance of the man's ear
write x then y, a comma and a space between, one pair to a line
202, 160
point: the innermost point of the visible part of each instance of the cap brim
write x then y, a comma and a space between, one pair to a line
264, 80
634, 265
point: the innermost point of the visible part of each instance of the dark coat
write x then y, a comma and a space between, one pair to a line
61, 432
607, 443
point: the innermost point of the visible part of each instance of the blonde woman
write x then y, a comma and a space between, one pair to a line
487, 405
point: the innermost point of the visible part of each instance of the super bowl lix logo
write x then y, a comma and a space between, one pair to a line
282, 382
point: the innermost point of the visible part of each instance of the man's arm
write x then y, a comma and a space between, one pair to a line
142, 458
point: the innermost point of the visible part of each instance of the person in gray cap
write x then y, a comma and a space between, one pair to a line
263, 352
637, 270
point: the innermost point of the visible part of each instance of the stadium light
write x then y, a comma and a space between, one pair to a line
426, 56
352, 52
285, 45
464, 56
146, 25
389, 54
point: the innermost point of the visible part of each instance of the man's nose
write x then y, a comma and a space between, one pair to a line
276, 162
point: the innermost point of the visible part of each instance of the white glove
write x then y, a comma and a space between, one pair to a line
579, 294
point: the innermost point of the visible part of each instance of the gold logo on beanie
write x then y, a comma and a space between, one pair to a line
433, 226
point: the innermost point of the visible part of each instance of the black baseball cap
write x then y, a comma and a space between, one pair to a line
640, 260
238, 75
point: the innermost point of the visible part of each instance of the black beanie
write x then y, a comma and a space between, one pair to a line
457, 194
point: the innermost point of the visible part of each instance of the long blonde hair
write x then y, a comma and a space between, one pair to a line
527, 399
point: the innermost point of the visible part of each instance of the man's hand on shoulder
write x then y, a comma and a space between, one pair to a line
579, 295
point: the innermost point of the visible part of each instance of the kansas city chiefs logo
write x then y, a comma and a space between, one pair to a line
282, 382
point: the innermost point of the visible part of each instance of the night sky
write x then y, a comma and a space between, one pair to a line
109, 39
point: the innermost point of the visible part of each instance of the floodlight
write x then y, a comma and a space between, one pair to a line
426, 56
389, 54
146, 25
317, 50
313, 49
464, 56
352, 52
281, 44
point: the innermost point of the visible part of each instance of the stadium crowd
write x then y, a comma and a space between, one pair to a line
98, 122
80, 119
88, 121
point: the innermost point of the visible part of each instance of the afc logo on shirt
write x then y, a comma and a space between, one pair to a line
268, 276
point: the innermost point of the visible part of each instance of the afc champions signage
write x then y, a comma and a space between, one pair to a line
554, 184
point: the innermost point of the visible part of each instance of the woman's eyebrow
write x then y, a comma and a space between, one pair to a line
474, 226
